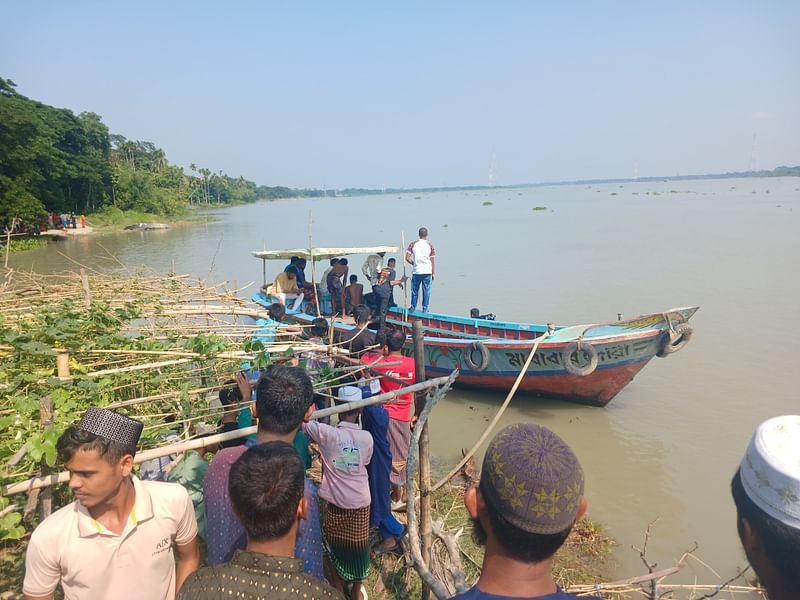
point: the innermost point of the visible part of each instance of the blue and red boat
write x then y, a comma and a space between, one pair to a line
589, 363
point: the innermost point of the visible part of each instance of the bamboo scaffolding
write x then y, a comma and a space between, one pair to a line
203, 442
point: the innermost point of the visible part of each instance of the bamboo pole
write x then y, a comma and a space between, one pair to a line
87, 294
405, 285
211, 440
62, 364
414, 546
425, 520
46, 410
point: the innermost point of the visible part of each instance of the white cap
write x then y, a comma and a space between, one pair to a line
770, 469
348, 393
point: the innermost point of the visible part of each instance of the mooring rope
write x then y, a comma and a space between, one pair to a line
497, 417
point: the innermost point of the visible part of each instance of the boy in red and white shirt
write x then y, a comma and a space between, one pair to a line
401, 409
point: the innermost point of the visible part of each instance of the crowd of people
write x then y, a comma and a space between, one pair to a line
65, 221
270, 533
343, 289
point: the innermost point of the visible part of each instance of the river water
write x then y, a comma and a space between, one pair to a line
666, 447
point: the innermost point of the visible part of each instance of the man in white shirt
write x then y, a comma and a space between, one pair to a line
422, 256
116, 539
372, 267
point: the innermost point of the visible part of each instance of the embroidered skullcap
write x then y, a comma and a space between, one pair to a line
112, 426
348, 393
532, 478
770, 469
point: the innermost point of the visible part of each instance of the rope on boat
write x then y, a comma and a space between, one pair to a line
497, 417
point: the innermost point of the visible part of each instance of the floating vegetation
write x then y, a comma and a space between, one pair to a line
488, 203
613, 193
20, 245
539, 208
444, 226
674, 192
417, 197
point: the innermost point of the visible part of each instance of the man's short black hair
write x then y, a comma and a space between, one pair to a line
395, 339
293, 260
283, 396
342, 261
361, 314
266, 485
353, 278
518, 543
334, 261
319, 327
276, 311
781, 542
380, 338
75, 439
423, 232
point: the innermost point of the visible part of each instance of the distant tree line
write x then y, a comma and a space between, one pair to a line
52, 160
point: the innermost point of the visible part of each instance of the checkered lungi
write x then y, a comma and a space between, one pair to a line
345, 534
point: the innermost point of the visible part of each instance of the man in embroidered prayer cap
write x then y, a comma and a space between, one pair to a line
116, 539
529, 497
766, 491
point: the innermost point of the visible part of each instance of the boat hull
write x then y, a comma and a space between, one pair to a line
546, 376
622, 350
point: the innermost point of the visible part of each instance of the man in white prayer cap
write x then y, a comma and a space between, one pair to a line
116, 540
766, 491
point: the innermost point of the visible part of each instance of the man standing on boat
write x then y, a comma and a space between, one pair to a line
372, 267
422, 257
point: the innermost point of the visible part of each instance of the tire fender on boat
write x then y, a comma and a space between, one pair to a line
576, 347
482, 350
675, 340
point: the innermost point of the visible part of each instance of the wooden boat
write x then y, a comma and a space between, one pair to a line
588, 364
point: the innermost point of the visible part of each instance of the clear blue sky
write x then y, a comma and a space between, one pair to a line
375, 94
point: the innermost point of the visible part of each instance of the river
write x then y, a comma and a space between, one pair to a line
666, 447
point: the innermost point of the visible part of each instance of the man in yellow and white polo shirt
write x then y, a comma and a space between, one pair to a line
116, 539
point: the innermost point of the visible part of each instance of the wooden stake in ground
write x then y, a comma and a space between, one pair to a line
425, 520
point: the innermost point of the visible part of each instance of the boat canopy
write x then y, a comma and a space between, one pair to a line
321, 253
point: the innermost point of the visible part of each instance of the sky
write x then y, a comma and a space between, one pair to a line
418, 94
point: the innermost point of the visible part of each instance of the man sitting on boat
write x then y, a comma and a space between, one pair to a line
285, 288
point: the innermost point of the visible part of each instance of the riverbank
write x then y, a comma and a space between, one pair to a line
114, 219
